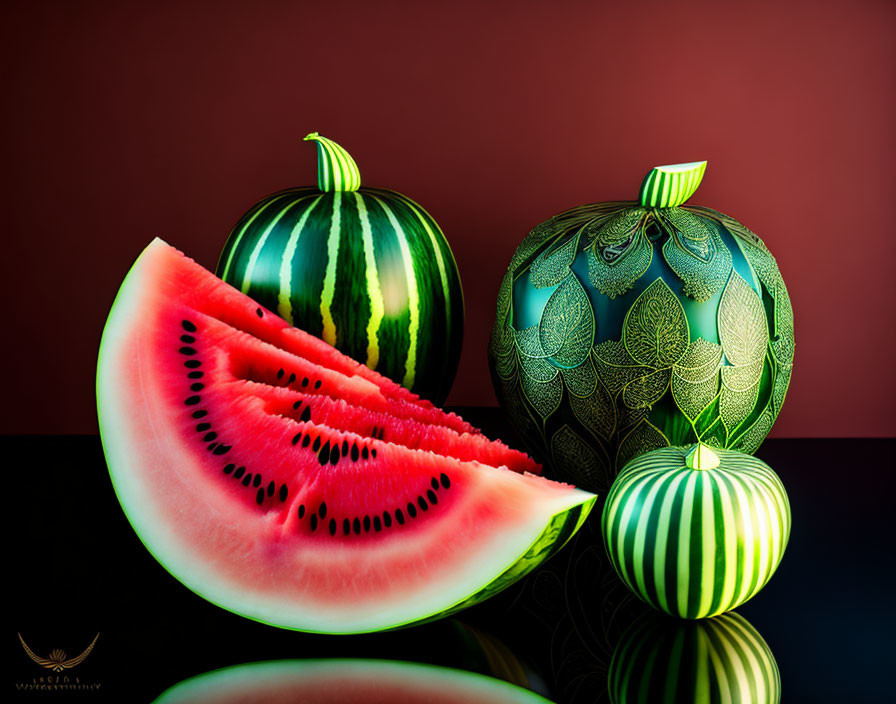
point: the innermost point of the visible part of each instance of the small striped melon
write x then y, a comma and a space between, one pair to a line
715, 661
694, 531
366, 269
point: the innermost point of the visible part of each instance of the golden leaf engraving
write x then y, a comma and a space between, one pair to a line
655, 330
584, 466
566, 329
552, 265
743, 330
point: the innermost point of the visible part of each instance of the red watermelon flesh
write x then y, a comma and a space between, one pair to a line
284, 481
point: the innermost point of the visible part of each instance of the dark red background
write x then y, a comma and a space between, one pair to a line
122, 122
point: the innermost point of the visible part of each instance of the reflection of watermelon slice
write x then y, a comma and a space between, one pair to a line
284, 481
349, 681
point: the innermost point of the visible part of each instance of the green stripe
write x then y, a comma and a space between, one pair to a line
234, 240
374, 292
333, 242
413, 295
259, 244
284, 302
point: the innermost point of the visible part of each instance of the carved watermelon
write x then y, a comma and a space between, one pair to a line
623, 327
284, 481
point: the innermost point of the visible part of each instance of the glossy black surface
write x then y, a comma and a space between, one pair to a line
78, 569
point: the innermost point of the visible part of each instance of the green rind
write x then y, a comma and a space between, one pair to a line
696, 542
469, 685
670, 186
715, 661
405, 320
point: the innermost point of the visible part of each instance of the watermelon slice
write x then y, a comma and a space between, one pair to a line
283, 481
345, 681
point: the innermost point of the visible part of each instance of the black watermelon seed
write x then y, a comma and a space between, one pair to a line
188, 326
195, 375
435, 483
316, 445
247, 480
283, 492
446, 482
324, 455
422, 503
313, 522
301, 510
280, 374
200, 414
431, 495
202, 427
373, 453
257, 481
240, 471
212, 446
192, 363
334, 455
344, 448
356, 526
271, 488
332, 526
306, 441
366, 524
187, 351
191, 400
198, 386
355, 453
296, 438
209, 436
317, 384
259, 312
228, 468
387, 518
373, 432
305, 381
399, 516
292, 378
222, 449
189, 339
306, 414
323, 509
346, 526
377, 524
412, 510
297, 404
259, 497
365, 453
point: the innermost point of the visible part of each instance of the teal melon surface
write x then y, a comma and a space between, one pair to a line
368, 270
696, 542
622, 327
721, 660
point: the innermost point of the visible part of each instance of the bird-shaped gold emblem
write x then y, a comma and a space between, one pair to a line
57, 662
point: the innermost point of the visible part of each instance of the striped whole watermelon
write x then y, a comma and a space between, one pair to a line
695, 533
366, 269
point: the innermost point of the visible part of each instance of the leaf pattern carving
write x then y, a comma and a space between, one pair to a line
646, 390
566, 330
580, 380
538, 368
596, 412
615, 365
655, 330
644, 437
528, 342
543, 396
743, 330
696, 253
570, 451
551, 266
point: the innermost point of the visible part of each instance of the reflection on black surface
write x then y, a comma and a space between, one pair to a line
348, 681
666, 660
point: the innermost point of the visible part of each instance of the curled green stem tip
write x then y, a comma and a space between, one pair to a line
336, 170
670, 186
